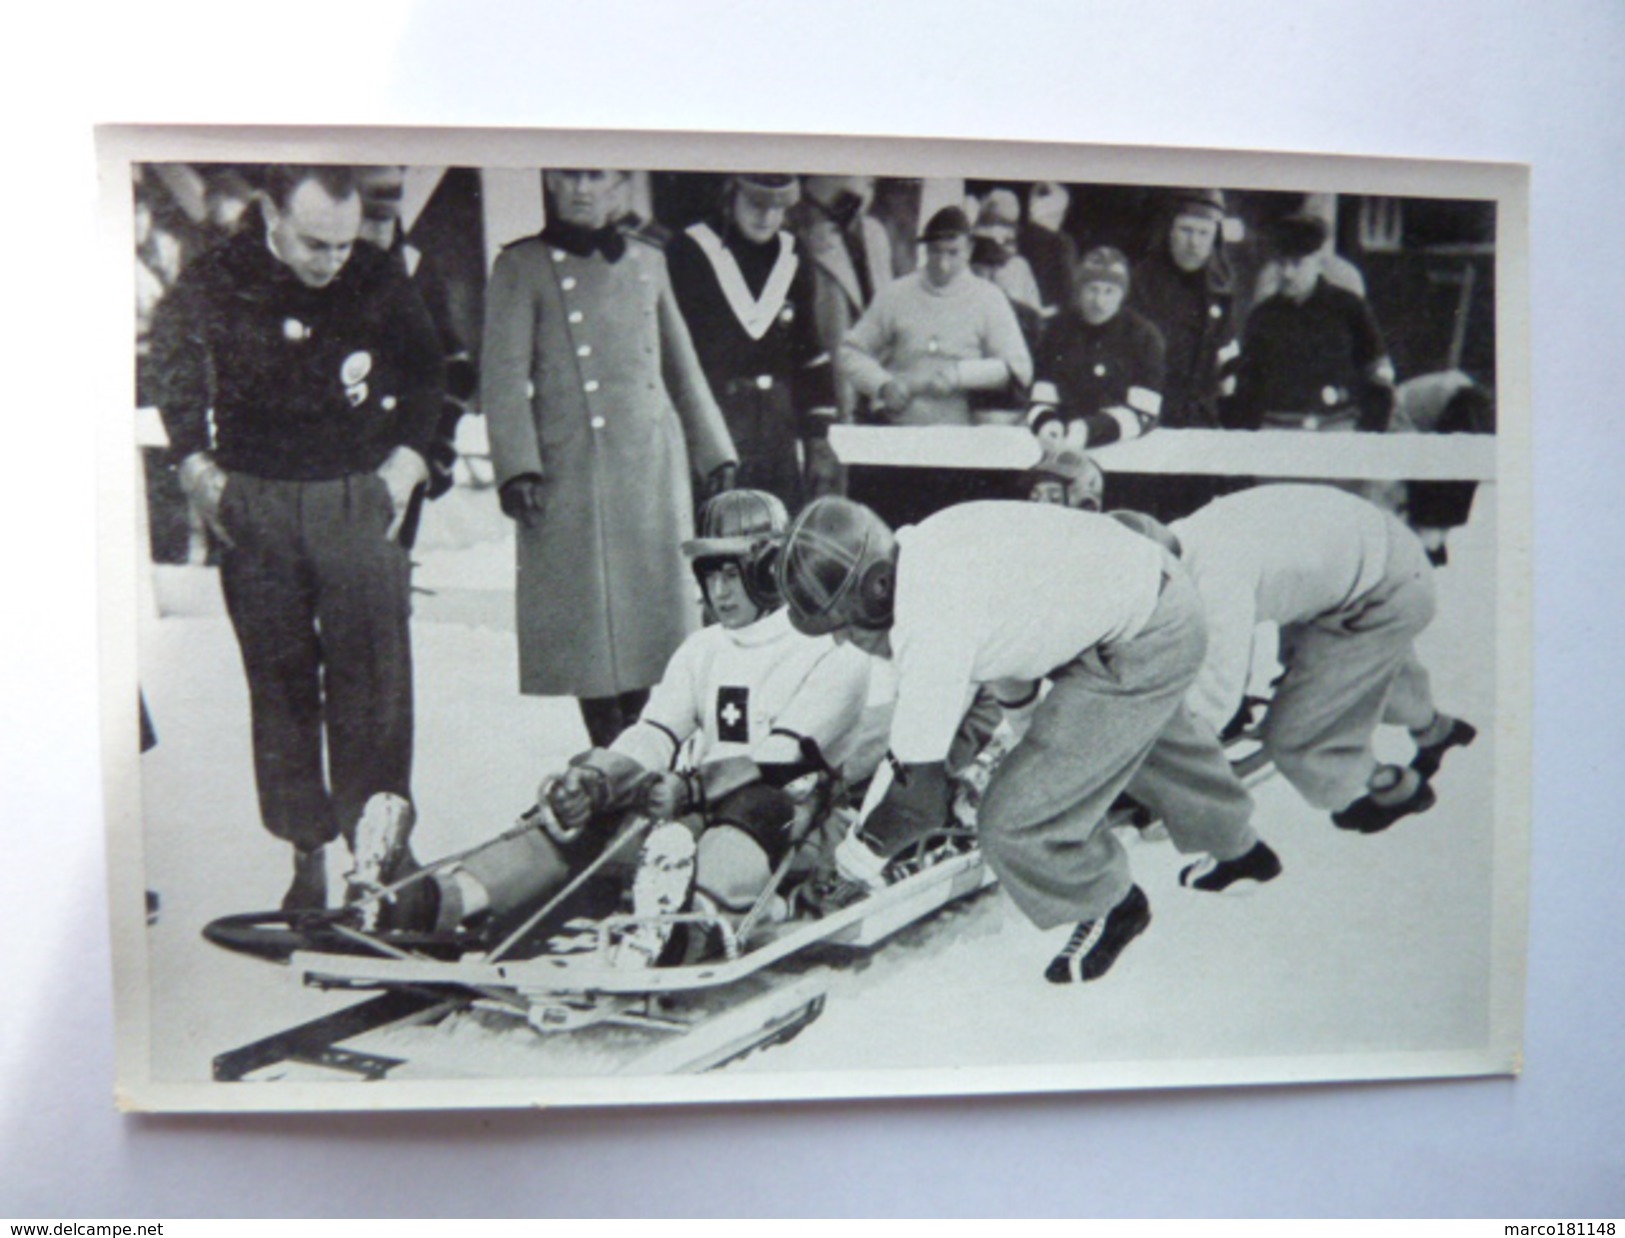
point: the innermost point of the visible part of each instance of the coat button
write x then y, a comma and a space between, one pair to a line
576, 316
568, 282
597, 423
584, 351
558, 255
590, 385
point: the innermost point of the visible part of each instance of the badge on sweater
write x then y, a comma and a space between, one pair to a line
355, 368
733, 715
353, 374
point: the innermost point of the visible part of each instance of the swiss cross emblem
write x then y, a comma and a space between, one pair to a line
733, 715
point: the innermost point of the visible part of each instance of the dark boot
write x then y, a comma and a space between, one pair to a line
1095, 944
1258, 865
1429, 757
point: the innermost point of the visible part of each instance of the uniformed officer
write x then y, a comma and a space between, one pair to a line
1312, 356
599, 415
1002, 592
747, 294
322, 373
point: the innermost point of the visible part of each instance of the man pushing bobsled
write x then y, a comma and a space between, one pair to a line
1007, 593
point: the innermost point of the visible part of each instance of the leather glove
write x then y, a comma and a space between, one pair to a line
721, 478
203, 482
523, 499
575, 797
402, 472
666, 796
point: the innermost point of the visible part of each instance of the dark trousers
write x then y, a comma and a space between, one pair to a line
320, 602
762, 423
607, 716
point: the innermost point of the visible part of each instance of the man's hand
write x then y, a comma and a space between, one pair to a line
944, 380
824, 472
666, 796
721, 478
203, 482
523, 499
575, 796
894, 396
402, 472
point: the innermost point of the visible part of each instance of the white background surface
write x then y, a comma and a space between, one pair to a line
1514, 81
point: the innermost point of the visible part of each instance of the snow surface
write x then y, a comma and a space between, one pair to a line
1365, 944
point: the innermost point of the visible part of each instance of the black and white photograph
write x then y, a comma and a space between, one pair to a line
611, 618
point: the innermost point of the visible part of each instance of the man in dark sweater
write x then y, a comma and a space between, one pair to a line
300, 380
1312, 357
1101, 365
746, 293
1184, 285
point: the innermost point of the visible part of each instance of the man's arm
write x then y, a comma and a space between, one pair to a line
181, 366
1140, 409
419, 359
1004, 342
710, 448
1376, 395
184, 385
1240, 410
866, 343
511, 312
671, 714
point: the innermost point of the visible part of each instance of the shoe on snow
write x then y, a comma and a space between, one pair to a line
1254, 868
1095, 944
1429, 757
308, 890
1369, 816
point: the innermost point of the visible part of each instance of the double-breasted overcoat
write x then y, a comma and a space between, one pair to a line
589, 379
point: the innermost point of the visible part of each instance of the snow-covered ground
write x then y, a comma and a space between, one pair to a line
1365, 944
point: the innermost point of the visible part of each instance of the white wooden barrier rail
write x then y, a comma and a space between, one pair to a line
1263, 453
